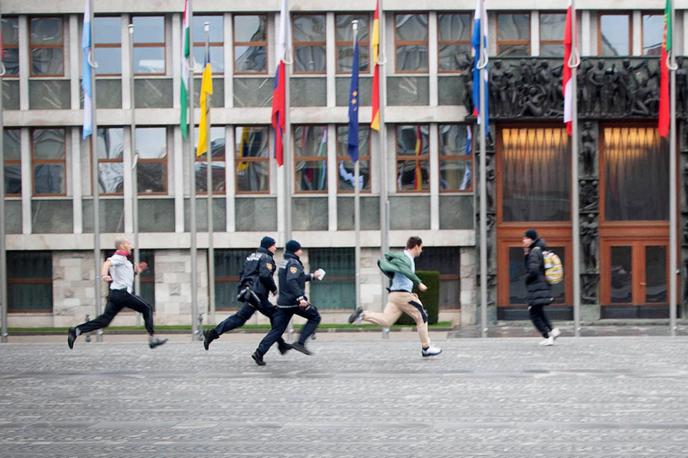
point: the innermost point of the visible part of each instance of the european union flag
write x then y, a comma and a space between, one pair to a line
353, 108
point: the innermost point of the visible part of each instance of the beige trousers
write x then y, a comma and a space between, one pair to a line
397, 304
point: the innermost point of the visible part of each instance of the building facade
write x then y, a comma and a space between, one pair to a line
429, 154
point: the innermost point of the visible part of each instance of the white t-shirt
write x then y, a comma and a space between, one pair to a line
122, 273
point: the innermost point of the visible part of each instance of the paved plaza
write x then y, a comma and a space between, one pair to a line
358, 396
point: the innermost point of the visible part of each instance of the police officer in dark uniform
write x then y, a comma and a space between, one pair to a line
291, 301
256, 284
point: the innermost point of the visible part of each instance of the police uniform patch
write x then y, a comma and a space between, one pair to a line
293, 269
269, 266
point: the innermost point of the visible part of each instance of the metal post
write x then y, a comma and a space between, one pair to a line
3, 253
357, 206
384, 165
209, 187
674, 268
482, 65
575, 205
191, 157
95, 182
286, 137
134, 165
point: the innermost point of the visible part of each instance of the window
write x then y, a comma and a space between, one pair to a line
454, 41
338, 289
250, 44
107, 39
252, 159
552, 27
12, 151
411, 43
149, 45
217, 147
310, 50
228, 264
151, 146
444, 260
29, 281
147, 277
535, 174
10, 44
110, 141
345, 168
48, 160
310, 151
47, 46
216, 38
456, 158
614, 34
653, 32
636, 173
513, 34
413, 158
345, 42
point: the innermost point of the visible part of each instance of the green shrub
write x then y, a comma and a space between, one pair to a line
430, 298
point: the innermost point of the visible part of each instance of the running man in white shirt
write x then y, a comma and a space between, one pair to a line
119, 271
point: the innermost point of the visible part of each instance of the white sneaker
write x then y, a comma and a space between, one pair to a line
548, 342
431, 351
554, 333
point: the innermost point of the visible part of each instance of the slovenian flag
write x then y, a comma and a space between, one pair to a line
279, 93
86, 71
567, 82
479, 31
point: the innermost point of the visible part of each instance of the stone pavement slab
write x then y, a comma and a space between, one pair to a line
358, 396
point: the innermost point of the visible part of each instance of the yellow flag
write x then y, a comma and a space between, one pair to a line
204, 123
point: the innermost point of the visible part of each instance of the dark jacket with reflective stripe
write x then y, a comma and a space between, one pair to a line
292, 281
257, 273
539, 291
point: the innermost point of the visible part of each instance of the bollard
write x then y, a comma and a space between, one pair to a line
88, 336
385, 333
199, 328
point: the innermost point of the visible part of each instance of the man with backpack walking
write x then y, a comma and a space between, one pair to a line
538, 286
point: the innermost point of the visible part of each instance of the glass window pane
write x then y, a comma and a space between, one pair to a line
653, 31
149, 29
552, 26
36, 267
46, 31
455, 139
338, 288
413, 175
217, 59
107, 30
455, 175
536, 174
345, 57
412, 27
11, 144
412, 140
149, 60
10, 31
253, 176
218, 176
111, 177
216, 32
109, 61
151, 142
310, 141
309, 27
311, 175
552, 50
252, 142
47, 61
110, 142
412, 58
150, 177
621, 278
513, 50
49, 179
12, 179
615, 35
656, 274
48, 143
347, 175
636, 174
217, 143
250, 59
454, 26
513, 26
453, 57
250, 28
11, 61
344, 30
310, 59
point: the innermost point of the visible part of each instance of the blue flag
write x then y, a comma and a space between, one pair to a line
353, 108
86, 72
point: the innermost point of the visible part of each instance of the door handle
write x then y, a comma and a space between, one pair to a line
643, 284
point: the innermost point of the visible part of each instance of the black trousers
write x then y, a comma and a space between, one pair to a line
246, 311
117, 300
540, 320
280, 321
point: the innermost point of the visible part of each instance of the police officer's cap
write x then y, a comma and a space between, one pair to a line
267, 242
292, 246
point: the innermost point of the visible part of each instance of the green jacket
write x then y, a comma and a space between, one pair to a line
397, 262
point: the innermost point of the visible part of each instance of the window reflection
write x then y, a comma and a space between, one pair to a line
615, 35
252, 159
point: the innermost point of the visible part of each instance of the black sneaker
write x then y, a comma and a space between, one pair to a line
156, 342
356, 316
208, 336
302, 348
258, 358
71, 337
284, 348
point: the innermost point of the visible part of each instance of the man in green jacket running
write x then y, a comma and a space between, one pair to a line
401, 270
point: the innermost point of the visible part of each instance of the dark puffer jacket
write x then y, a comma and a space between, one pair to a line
539, 291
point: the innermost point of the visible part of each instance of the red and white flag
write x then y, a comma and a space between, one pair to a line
279, 92
566, 80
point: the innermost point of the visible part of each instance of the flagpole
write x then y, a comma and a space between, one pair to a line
209, 188
573, 64
482, 66
382, 137
191, 157
674, 269
357, 197
3, 252
95, 182
134, 165
286, 136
